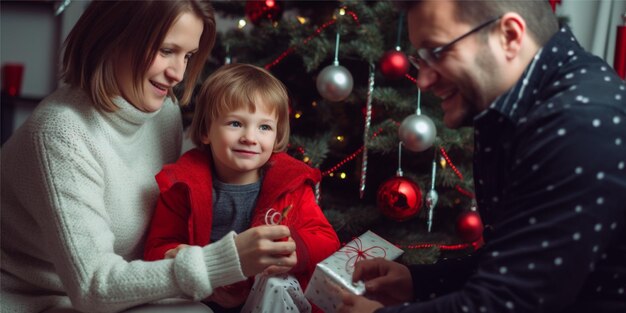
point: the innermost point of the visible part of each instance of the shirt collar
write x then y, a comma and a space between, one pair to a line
519, 98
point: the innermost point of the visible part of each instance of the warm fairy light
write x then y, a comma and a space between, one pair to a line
342, 11
339, 138
269, 3
306, 159
298, 114
301, 19
342, 175
442, 162
331, 174
314, 103
242, 23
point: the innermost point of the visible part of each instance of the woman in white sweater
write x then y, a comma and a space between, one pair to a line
78, 187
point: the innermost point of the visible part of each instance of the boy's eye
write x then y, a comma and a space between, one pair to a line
234, 123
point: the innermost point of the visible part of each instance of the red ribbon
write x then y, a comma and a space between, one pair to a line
356, 253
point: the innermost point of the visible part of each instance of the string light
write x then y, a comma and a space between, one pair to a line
342, 175
340, 138
298, 115
241, 24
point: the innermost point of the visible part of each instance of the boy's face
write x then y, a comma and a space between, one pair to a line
242, 142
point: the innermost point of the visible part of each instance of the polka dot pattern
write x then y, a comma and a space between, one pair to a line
550, 177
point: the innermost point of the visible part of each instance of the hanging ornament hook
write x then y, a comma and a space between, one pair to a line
399, 171
336, 62
399, 35
419, 102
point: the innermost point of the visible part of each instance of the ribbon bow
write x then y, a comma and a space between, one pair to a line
356, 253
273, 217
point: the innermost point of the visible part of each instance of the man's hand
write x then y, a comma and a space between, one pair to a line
357, 304
386, 281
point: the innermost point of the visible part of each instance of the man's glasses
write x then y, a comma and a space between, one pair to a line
431, 56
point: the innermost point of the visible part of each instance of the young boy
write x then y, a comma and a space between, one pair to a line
239, 177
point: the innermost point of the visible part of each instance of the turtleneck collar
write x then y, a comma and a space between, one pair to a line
128, 118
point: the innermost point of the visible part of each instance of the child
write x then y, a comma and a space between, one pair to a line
240, 177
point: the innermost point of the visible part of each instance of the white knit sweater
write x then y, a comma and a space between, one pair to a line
78, 192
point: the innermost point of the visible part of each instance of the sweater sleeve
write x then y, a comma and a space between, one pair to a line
80, 242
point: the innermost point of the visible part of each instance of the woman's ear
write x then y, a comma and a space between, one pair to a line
512, 34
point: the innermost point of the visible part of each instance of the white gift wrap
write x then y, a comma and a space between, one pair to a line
276, 293
337, 269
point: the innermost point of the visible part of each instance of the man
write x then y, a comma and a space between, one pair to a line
549, 166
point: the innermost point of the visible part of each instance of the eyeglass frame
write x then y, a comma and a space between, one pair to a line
430, 56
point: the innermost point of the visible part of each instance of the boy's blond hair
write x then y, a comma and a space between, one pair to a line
235, 86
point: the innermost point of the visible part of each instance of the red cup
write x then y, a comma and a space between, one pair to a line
12, 74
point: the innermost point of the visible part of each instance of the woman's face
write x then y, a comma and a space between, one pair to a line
168, 67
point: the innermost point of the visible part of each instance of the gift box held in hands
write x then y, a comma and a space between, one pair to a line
336, 270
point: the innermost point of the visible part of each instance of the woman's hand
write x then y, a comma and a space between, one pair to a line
171, 253
231, 296
259, 248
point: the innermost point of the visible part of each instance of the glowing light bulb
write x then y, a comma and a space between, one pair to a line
443, 162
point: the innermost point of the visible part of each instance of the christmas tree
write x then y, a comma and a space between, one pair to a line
351, 129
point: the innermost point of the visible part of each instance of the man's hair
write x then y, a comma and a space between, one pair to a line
236, 86
540, 20
109, 30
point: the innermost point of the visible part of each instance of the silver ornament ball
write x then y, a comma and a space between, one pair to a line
334, 83
417, 132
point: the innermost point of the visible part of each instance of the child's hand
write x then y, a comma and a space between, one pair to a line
231, 296
281, 269
171, 253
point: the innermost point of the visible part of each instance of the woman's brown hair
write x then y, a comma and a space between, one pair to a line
108, 29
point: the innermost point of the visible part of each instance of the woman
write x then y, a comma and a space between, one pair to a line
78, 187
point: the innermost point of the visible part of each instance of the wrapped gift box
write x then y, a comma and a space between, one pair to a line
336, 270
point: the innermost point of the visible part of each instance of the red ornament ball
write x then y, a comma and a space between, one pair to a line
394, 64
469, 226
399, 198
259, 10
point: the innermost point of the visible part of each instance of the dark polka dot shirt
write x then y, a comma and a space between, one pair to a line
550, 180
